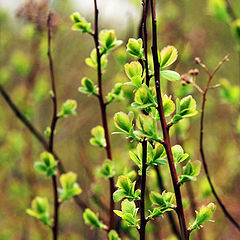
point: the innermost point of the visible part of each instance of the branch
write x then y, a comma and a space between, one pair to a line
202, 152
103, 114
53, 126
143, 187
167, 145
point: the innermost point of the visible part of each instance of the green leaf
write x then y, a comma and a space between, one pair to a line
204, 215
98, 138
218, 8
122, 122
124, 183
168, 56
187, 107
178, 154
39, 210
108, 40
134, 73
70, 187
80, 23
112, 235
190, 172
92, 60
107, 169
134, 47
90, 218
170, 75
128, 213
236, 29
47, 165
68, 108
168, 105
88, 87
229, 93
119, 195
116, 93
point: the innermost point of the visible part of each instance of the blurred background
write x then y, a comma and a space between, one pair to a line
193, 27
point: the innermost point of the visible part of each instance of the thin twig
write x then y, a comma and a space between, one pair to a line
103, 113
167, 144
53, 126
143, 187
171, 219
227, 214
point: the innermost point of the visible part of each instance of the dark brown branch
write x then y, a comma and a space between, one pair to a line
171, 219
201, 145
145, 39
167, 144
103, 113
143, 187
53, 126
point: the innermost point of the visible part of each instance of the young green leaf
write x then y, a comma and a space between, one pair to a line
218, 8
108, 40
107, 169
70, 187
134, 73
122, 122
68, 108
92, 60
88, 87
236, 29
178, 154
128, 213
91, 219
116, 93
80, 23
47, 165
204, 215
170, 75
168, 56
98, 138
190, 172
39, 210
134, 47
112, 235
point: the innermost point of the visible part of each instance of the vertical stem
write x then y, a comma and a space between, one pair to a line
103, 114
143, 187
145, 39
167, 144
171, 219
53, 126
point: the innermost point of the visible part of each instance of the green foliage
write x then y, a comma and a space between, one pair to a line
112, 235
178, 154
126, 189
190, 172
134, 73
185, 108
134, 47
168, 56
47, 165
88, 87
107, 169
115, 94
98, 138
123, 122
128, 213
108, 40
91, 219
80, 23
68, 108
47, 132
92, 60
204, 215
218, 8
229, 93
39, 210
70, 187
170, 75
236, 29
163, 202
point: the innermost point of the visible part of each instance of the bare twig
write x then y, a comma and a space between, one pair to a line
143, 187
167, 144
211, 75
53, 126
103, 114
